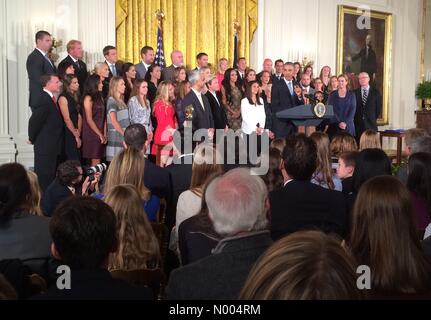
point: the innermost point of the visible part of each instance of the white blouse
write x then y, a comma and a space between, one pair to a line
252, 115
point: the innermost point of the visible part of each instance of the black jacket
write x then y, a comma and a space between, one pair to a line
366, 116
303, 205
80, 71
219, 115
202, 119
53, 196
37, 66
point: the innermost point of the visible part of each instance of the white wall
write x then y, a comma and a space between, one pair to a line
291, 29
91, 21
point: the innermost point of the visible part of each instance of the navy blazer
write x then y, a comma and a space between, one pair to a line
202, 118
80, 71
366, 116
219, 115
37, 66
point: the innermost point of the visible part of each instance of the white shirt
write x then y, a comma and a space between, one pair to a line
199, 95
252, 115
215, 96
73, 59
111, 66
49, 92
189, 204
147, 66
287, 182
42, 52
367, 88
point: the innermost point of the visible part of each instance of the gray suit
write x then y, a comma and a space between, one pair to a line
169, 73
141, 71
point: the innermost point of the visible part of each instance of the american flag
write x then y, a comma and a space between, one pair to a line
160, 53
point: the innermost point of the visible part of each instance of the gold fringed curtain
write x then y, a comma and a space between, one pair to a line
191, 26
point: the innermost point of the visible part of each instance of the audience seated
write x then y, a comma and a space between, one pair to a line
237, 207
307, 265
196, 235
323, 175
411, 137
279, 144
84, 234
138, 247
419, 185
22, 235
369, 140
384, 238
342, 142
35, 196
273, 178
128, 167
346, 168
300, 204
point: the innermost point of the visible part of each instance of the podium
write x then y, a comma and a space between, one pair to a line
306, 116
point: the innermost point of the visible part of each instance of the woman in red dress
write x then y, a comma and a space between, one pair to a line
164, 112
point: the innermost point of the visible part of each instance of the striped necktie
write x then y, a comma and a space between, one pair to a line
364, 96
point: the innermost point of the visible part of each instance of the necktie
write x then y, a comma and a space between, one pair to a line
113, 70
77, 65
47, 58
364, 97
289, 85
201, 101
55, 100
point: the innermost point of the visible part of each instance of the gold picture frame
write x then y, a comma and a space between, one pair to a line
353, 29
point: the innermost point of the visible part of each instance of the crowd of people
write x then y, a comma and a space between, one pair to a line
329, 202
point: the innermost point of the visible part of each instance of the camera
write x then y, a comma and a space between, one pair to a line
91, 171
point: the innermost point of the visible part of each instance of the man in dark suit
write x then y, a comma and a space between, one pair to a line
243, 227
283, 97
278, 75
300, 204
111, 59
201, 60
241, 67
202, 115
147, 56
267, 66
177, 58
45, 130
214, 98
75, 54
369, 106
84, 234
39, 64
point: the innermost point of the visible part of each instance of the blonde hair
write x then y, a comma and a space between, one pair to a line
323, 173
98, 67
138, 247
163, 92
370, 140
33, 199
113, 92
204, 166
128, 167
71, 44
306, 265
343, 142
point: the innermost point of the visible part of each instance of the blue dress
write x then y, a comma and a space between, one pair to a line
344, 109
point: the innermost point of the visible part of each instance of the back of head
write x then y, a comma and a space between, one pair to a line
83, 230
307, 265
411, 135
274, 178
14, 189
384, 237
127, 167
324, 168
421, 144
135, 136
138, 247
236, 202
206, 162
419, 179
35, 194
370, 163
370, 140
343, 142
300, 157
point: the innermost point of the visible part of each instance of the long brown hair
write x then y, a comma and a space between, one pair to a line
343, 142
135, 93
306, 265
204, 166
113, 92
127, 167
138, 247
384, 238
67, 81
323, 171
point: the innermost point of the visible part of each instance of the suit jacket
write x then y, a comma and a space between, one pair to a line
96, 285
157, 180
141, 71
118, 67
53, 196
26, 236
80, 70
222, 275
168, 74
219, 115
202, 118
302, 205
281, 100
46, 127
37, 66
366, 116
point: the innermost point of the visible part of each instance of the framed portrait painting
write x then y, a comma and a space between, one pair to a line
365, 45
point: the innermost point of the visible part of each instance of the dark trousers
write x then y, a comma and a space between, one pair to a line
45, 166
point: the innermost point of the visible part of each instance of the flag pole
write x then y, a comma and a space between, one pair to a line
160, 16
236, 27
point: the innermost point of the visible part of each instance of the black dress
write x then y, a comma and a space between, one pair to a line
71, 151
